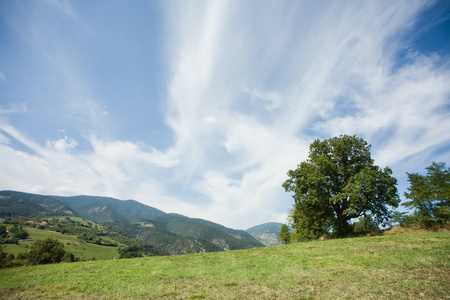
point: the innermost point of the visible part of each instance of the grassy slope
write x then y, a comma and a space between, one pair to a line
414, 266
71, 244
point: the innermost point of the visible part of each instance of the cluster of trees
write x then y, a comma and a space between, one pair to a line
46, 251
339, 183
16, 233
136, 249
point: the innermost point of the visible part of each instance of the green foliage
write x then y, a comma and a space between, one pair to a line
365, 225
337, 183
3, 233
69, 257
136, 250
3, 254
46, 251
430, 195
18, 232
404, 219
285, 234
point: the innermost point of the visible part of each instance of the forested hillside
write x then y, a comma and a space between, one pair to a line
169, 233
179, 234
106, 209
16, 204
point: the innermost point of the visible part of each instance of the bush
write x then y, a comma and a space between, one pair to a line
136, 250
18, 232
365, 225
22, 255
47, 251
3, 233
69, 257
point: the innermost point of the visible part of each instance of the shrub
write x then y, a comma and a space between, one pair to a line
18, 232
46, 251
365, 225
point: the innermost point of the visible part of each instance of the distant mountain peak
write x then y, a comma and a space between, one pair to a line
266, 233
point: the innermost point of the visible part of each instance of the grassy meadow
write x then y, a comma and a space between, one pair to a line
408, 266
71, 244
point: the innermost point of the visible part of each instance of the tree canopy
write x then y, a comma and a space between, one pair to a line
337, 183
430, 194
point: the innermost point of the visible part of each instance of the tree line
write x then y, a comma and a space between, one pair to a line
339, 183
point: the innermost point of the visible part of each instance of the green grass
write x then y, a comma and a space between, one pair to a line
413, 266
71, 244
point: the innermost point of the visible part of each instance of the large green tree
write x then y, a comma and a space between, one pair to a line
337, 183
430, 194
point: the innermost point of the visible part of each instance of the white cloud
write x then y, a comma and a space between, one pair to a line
4, 139
13, 108
117, 169
286, 75
63, 145
2, 76
250, 86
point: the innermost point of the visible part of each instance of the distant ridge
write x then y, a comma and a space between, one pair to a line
266, 233
106, 209
16, 204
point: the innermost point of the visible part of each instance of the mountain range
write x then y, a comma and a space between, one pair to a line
171, 233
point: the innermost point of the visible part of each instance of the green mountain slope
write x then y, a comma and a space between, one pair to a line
165, 240
105, 209
171, 233
218, 235
15, 204
266, 233
177, 234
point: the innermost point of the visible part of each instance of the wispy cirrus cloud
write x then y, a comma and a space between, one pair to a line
117, 169
325, 71
249, 86
12, 108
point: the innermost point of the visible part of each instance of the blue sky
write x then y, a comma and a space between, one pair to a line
201, 107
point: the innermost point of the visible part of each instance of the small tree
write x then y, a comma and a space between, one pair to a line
46, 251
430, 195
285, 234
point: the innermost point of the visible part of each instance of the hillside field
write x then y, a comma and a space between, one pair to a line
71, 244
409, 266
